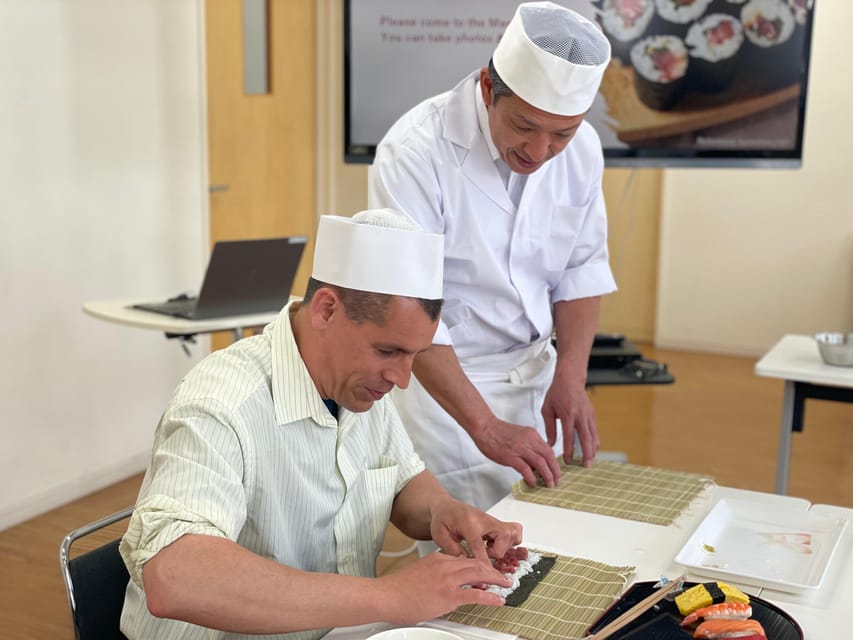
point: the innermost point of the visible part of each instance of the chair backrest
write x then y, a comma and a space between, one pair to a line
95, 582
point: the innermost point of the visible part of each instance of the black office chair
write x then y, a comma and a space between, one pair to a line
95, 582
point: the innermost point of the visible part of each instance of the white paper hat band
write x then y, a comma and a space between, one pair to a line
380, 259
552, 58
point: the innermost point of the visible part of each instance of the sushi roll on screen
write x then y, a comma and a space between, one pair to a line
674, 16
770, 54
660, 65
714, 43
623, 22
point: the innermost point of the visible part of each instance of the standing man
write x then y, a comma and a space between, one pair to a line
505, 166
279, 462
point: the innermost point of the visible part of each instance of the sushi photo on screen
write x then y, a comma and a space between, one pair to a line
690, 83
705, 74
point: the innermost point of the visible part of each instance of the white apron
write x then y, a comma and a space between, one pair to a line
514, 386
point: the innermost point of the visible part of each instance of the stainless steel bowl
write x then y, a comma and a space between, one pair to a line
836, 348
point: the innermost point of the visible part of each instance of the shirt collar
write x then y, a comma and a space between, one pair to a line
295, 396
483, 120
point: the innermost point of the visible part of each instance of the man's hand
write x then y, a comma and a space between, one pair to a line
569, 403
453, 521
521, 448
436, 585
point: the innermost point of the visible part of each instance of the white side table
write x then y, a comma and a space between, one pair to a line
120, 312
796, 360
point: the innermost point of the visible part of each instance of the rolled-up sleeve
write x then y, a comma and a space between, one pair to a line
193, 486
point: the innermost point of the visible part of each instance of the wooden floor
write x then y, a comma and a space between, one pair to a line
718, 419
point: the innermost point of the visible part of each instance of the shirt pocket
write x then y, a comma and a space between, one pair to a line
375, 498
562, 234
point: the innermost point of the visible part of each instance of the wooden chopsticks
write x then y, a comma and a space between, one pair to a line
636, 611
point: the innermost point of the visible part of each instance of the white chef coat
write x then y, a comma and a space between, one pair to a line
505, 266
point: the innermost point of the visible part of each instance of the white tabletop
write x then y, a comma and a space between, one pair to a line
821, 613
796, 357
119, 311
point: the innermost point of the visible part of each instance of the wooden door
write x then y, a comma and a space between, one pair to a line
262, 148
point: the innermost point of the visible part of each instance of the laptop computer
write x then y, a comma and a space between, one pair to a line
242, 277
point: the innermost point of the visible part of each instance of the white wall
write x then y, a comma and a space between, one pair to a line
748, 256
102, 195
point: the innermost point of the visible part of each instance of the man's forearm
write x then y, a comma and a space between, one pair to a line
440, 373
575, 323
216, 583
412, 510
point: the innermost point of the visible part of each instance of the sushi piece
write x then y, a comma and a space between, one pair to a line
714, 629
714, 43
721, 611
660, 65
706, 594
767, 23
526, 569
674, 16
770, 53
623, 22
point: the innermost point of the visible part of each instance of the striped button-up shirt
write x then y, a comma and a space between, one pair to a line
248, 451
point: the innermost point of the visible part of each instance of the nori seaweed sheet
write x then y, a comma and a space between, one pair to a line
529, 581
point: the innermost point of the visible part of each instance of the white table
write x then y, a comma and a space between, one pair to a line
796, 360
119, 311
822, 613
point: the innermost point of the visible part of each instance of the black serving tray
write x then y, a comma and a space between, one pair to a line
663, 622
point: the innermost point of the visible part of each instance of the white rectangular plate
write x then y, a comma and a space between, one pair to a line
763, 545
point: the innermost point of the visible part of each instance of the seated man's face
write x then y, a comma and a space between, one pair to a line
367, 360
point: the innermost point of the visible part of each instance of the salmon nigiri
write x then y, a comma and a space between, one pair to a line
721, 611
718, 629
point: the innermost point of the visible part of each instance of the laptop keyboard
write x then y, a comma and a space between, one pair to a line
183, 308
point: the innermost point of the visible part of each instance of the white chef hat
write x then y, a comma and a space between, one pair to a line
382, 251
552, 58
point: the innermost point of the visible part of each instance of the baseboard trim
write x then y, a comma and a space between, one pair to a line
72, 489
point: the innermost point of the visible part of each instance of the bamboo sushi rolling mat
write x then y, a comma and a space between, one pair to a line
572, 596
629, 491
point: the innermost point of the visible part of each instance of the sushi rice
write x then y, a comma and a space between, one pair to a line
524, 567
681, 11
617, 24
756, 12
645, 65
702, 47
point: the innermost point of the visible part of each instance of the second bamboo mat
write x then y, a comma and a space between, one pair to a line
622, 490
571, 597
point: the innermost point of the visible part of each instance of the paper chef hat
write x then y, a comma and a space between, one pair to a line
382, 251
552, 58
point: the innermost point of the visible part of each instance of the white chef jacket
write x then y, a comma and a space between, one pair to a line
248, 451
505, 266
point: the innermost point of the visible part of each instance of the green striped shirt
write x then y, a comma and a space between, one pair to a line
247, 451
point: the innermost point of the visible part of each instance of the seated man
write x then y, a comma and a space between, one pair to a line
280, 460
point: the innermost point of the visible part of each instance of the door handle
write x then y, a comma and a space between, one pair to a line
217, 188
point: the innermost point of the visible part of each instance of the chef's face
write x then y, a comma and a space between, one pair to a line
365, 360
525, 137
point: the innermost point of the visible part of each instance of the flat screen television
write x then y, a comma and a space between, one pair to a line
692, 83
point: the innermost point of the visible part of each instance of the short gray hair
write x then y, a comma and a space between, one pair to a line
499, 87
